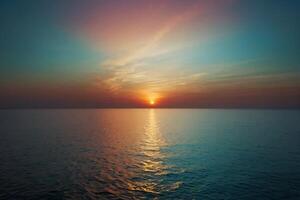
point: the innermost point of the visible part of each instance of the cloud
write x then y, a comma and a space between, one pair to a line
142, 41
133, 69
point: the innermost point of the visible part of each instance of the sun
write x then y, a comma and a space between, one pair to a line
151, 102
152, 99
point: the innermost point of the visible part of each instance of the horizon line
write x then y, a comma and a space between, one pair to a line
70, 108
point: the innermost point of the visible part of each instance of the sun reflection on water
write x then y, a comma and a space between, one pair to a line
152, 164
151, 146
133, 159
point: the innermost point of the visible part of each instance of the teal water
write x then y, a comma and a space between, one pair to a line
150, 154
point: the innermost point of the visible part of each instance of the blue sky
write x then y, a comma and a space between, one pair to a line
137, 51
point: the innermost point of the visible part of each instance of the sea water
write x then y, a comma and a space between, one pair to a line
150, 154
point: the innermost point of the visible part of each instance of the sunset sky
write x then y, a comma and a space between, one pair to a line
131, 53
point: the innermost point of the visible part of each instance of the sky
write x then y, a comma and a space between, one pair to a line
149, 53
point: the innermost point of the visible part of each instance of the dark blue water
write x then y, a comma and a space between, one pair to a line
150, 154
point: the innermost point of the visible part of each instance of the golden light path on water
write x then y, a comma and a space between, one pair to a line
152, 144
132, 157
153, 158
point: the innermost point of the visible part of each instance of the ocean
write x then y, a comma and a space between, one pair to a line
150, 154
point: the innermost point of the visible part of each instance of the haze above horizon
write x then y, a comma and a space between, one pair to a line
150, 54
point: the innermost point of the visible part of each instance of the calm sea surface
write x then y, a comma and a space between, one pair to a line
150, 154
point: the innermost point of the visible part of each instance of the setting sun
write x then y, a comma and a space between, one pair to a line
152, 102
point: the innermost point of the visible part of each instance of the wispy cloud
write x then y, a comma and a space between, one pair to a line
127, 71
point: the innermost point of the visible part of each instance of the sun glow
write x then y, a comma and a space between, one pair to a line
151, 102
151, 99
